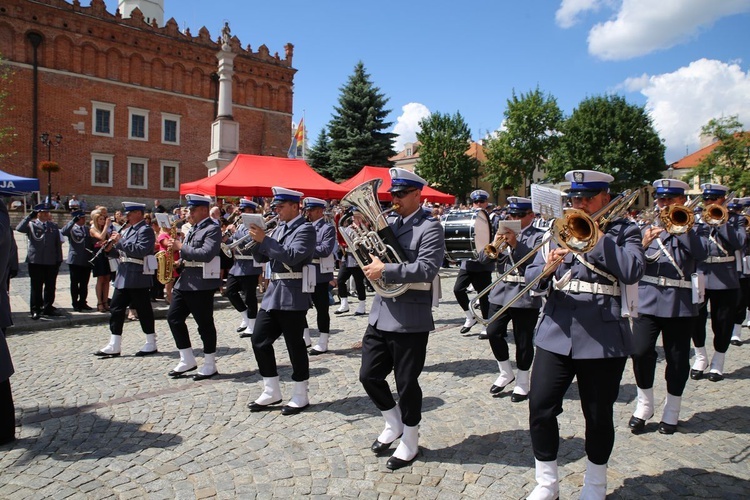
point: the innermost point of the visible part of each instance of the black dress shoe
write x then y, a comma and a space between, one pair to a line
106, 354
315, 352
292, 410
465, 329
497, 389
241, 329
35, 315
340, 312
245, 335
715, 377
696, 374
176, 374
146, 353
637, 425
736, 342
359, 313
85, 307
394, 463
77, 309
53, 311
518, 398
483, 336
665, 428
378, 447
256, 407
199, 376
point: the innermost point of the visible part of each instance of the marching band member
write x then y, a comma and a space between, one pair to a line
79, 253
350, 269
325, 240
396, 337
477, 273
524, 312
243, 276
285, 303
193, 293
722, 284
134, 244
737, 205
666, 306
44, 257
582, 335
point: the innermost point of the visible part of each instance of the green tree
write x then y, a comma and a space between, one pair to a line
607, 134
357, 128
532, 122
729, 161
7, 132
443, 161
319, 155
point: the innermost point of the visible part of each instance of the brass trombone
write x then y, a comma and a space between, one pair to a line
576, 231
715, 214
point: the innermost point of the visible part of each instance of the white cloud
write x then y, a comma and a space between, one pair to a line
568, 13
683, 101
407, 125
643, 26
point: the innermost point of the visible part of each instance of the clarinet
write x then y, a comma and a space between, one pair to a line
107, 245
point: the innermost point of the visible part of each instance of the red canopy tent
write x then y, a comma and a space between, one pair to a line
369, 173
251, 175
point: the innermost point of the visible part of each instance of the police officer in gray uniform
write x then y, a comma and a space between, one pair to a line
325, 240
737, 206
193, 293
285, 304
79, 254
525, 311
396, 337
477, 273
243, 275
132, 245
722, 284
44, 256
7, 409
582, 335
666, 306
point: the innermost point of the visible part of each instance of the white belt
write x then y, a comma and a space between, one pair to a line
578, 286
423, 287
664, 281
716, 260
131, 260
243, 257
512, 278
286, 276
192, 263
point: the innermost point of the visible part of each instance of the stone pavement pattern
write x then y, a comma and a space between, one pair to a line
120, 428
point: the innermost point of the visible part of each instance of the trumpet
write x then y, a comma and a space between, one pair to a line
243, 242
576, 231
498, 246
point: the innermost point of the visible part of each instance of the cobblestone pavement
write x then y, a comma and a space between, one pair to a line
93, 428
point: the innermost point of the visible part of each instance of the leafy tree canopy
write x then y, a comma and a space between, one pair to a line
607, 134
443, 161
729, 161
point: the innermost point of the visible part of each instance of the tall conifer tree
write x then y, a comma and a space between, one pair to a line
319, 156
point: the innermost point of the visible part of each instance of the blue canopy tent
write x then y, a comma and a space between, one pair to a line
14, 185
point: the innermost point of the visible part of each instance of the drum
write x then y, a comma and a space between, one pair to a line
466, 234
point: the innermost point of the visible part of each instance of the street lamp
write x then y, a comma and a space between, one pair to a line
49, 141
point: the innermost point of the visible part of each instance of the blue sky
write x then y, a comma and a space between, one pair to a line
685, 60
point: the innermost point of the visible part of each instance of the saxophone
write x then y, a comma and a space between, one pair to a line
165, 259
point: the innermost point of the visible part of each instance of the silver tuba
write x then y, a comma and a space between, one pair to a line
372, 236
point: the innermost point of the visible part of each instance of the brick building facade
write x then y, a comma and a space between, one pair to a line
133, 101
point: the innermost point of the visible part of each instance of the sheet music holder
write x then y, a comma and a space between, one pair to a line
546, 201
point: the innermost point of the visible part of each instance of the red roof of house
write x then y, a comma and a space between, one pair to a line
692, 160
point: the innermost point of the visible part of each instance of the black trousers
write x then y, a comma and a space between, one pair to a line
43, 279
598, 386
723, 308
7, 413
359, 281
200, 304
402, 353
675, 338
269, 326
524, 321
479, 280
247, 285
79, 284
743, 302
320, 301
136, 298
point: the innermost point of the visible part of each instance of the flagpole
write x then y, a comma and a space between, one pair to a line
304, 137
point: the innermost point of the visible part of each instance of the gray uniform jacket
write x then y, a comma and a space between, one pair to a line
422, 239
325, 240
585, 325
45, 246
504, 291
201, 244
292, 245
243, 266
669, 301
731, 236
6, 363
136, 242
81, 244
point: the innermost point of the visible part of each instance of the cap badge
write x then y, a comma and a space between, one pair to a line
578, 177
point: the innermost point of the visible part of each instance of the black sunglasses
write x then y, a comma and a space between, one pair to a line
710, 197
401, 194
